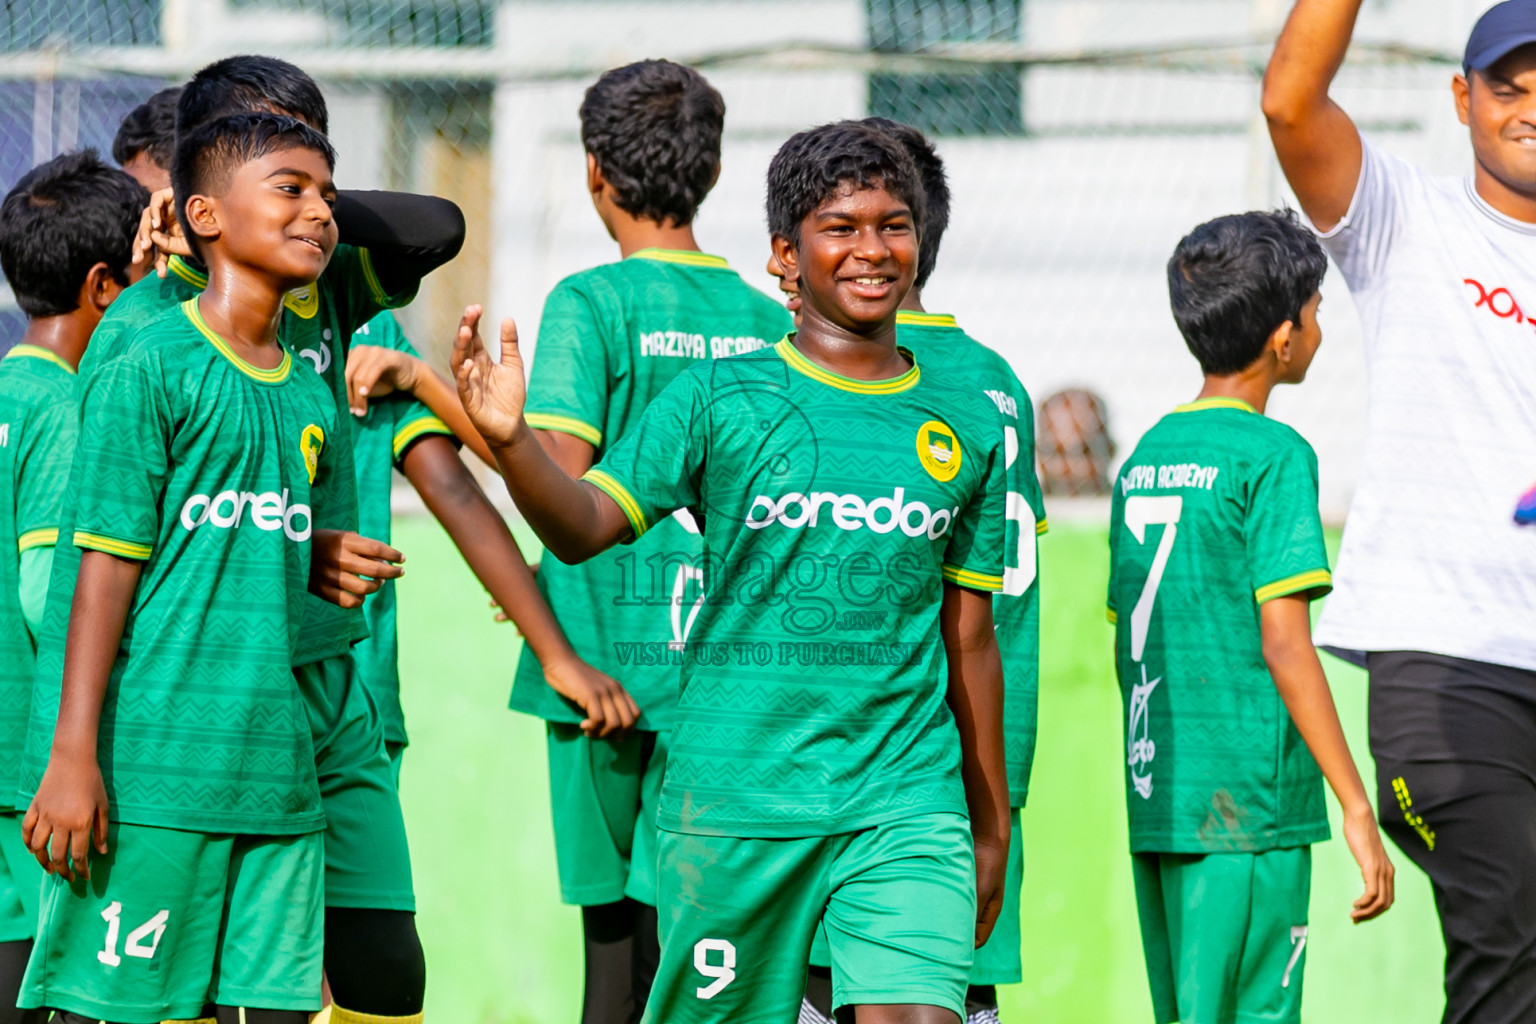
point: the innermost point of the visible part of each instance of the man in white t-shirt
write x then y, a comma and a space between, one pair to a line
1435, 589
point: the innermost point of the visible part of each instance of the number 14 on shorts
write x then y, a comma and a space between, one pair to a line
135, 945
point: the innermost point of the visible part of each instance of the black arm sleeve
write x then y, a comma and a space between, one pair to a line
407, 236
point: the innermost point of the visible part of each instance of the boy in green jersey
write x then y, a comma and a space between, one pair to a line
942, 347
1216, 552
611, 339
178, 751
396, 431
388, 241
820, 768
66, 238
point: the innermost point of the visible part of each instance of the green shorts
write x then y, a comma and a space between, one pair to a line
21, 882
1225, 934
171, 921
737, 918
999, 962
367, 859
602, 797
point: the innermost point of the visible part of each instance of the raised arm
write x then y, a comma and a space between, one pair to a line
407, 236
68, 815
1286, 626
1318, 145
574, 519
975, 697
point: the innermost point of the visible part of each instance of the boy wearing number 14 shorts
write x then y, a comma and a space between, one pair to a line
176, 800
1216, 551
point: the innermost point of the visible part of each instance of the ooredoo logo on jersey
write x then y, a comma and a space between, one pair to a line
796, 511
268, 510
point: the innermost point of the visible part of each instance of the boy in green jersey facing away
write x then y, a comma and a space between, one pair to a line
66, 239
821, 768
179, 757
942, 347
387, 242
396, 431
611, 339
1216, 552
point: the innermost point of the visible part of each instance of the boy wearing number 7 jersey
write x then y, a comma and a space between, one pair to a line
1216, 551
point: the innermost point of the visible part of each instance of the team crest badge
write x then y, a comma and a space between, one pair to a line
938, 449
311, 442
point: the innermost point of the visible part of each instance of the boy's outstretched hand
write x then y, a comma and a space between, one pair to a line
493, 393
608, 706
68, 816
1364, 840
345, 567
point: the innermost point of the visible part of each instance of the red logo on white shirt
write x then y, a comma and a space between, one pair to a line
1500, 303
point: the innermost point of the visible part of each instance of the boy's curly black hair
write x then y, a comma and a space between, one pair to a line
814, 164
1234, 280
62, 218
654, 128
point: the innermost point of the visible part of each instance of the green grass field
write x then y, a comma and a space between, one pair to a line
502, 949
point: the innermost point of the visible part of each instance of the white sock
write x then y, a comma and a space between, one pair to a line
810, 1015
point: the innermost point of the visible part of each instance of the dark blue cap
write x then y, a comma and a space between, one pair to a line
1503, 29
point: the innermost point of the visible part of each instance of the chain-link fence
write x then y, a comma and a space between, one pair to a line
1083, 138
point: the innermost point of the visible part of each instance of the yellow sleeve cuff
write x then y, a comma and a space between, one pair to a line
112, 546
565, 425
621, 497
972, 580
1315, 579
45, 537
416, 428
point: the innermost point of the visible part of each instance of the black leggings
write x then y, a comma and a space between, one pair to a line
622, 947
374, 962
1455, 749
13, 964
818, 990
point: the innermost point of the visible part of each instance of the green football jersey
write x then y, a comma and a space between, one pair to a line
37, 438
211, 472
813, 682
1214, 513
944, 349
318, 320
380, 441
611, 339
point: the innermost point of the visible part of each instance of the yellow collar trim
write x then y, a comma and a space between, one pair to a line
791, 355
912, 318
184, 270
36, 352
1216, 403
276, 375
686, 257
